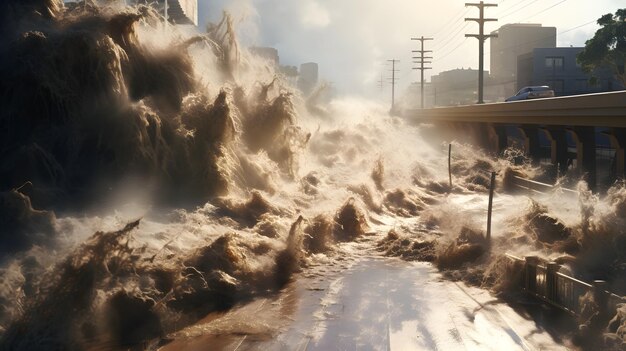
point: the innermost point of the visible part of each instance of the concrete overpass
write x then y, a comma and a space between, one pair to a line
580, 115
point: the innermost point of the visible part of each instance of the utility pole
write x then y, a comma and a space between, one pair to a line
393, 82
381, 83
165, 13
481, 36
421, 62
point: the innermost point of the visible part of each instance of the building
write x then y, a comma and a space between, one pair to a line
178, 11
267, 53
559, 69
306, 80
512, 41
412, 97
289, 74
309, 77
458, 87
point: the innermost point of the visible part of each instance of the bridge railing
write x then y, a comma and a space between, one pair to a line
538, 187
542, 280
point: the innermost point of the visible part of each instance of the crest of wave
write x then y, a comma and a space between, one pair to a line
95, 97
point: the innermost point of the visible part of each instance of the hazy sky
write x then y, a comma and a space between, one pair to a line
352, 39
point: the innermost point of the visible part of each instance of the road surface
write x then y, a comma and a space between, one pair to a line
371, 304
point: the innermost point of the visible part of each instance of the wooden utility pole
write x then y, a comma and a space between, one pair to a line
393, 80
492, 186
165, 13
421, 62
450, 165
481, 36
381, 83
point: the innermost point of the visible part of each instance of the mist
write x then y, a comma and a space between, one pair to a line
321, 31
154, 179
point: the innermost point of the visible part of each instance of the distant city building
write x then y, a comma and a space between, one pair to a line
267, 53
514, 40
178, 11
458, 87
289, 73
558, 68
308, 78
412, 99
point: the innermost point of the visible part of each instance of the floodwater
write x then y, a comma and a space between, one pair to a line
162, 189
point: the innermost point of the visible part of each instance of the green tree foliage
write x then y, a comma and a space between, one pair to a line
607, 48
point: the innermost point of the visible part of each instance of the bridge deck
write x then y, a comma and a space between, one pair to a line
599, 110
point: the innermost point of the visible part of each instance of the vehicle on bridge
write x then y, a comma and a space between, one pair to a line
533, 92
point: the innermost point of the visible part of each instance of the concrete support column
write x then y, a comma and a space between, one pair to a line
617, 137
460, 131
531, 142
498, 140
478, 134
586, 153
558, 146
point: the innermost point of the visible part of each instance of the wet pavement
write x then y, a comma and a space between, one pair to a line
371, 304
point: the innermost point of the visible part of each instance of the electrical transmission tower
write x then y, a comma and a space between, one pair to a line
422, 61
393, 81
481, 36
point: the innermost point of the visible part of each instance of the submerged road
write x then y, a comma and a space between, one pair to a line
372, 304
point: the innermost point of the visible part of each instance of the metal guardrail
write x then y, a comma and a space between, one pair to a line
533, 185
538, 187
542, 280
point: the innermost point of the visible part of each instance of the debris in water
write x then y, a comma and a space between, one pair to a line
319, 234
403, 204
250, 212
410, 249
468, 247
546, 228
288, 260
350, 222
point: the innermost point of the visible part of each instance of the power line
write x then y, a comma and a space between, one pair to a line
441, 58
456, 17
546, 9
452, 26
580, 26
451, 51
527, 18
455, 48
547, 37
451, 34
516, 9
448, 42
481, 36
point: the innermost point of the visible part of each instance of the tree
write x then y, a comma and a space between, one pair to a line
607, 48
